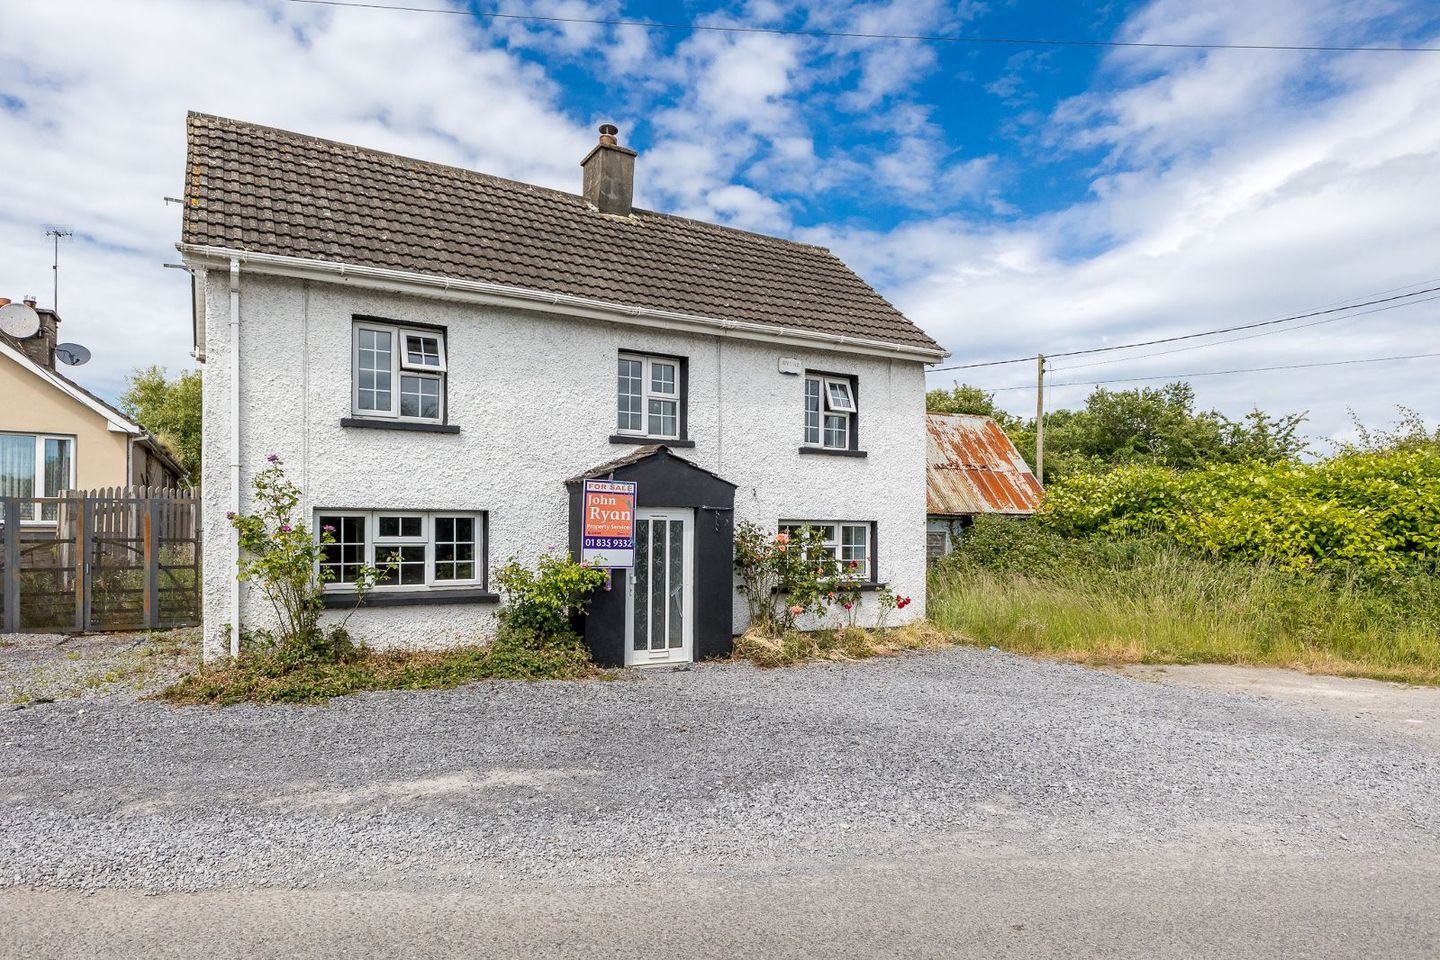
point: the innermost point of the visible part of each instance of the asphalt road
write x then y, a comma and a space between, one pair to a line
962, 803
1160, 904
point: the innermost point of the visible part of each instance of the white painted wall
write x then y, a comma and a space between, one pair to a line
534, 397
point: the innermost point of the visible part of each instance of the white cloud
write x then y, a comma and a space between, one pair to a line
1227, 186
1292, 205
99, 139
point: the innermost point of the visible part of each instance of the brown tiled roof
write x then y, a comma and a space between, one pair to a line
264, 190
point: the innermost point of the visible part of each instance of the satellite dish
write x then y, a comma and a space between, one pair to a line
72, 354
19, 320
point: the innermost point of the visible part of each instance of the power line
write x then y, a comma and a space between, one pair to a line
1248, 336
856, 35
1192, 336
1217, 373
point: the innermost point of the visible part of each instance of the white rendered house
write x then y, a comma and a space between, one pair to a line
440, 357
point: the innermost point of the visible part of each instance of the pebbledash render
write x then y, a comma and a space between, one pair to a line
441, 358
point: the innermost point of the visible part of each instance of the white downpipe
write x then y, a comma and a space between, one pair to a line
234, 451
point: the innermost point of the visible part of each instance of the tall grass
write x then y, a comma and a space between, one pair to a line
1031, 591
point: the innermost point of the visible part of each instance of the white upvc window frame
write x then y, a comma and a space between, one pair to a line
378, 549
842, 408
35, 514
407, 364
648, 393
835, 545
400, 368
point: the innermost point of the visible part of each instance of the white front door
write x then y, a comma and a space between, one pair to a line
659, 589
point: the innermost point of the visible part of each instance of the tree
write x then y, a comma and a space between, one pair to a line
1408, 434
1146, 426
169, 409
963, 398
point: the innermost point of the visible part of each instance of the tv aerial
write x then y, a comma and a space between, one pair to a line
72, 354
19, 320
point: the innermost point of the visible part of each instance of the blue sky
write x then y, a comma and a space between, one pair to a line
1008, 198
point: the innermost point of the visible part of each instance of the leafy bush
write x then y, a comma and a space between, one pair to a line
1375, 510
786, 575
278, 552
541, 605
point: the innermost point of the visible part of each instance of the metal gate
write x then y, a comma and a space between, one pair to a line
122, 558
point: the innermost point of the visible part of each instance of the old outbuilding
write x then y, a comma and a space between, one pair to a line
971, 468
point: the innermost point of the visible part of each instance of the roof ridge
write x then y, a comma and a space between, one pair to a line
383, 154
255, 187
492, 177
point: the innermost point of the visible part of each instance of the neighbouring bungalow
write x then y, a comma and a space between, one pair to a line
443, 358
55, 435
972, 468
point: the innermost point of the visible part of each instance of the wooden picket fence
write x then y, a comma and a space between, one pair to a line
117, 558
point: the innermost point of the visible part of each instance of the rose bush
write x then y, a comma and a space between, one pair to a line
281, 556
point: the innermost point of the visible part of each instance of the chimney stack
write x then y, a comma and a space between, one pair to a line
609, 178
40, 348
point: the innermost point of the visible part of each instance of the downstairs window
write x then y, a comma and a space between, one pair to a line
429, 550
845, 542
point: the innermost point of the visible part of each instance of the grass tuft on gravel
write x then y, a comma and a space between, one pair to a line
260, 679
847, 643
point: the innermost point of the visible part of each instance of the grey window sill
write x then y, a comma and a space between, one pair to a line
399, 425
344, 599
667, 441
869, 586
827, 452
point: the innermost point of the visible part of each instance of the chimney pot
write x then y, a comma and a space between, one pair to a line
30, 301
609, 174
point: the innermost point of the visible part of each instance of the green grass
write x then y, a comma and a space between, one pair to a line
262, 679
1118, 602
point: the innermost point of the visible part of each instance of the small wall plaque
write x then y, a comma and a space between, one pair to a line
790, 365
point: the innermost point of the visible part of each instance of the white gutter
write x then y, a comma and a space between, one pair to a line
477, 291
234, 451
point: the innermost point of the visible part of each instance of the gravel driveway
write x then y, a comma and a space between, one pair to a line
704, 776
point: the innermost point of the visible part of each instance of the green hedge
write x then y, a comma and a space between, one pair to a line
1375, 511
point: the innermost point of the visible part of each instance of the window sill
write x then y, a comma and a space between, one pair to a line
338, 599
869, 586
399, 425
667, 441
828, 452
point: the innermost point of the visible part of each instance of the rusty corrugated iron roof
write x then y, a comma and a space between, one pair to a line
972, 467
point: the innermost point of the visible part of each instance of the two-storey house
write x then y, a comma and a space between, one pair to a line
441, 357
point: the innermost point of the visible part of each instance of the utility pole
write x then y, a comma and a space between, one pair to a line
1040, 418
55, 233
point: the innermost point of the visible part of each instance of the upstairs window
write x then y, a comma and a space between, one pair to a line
399, 372
830, 411
649, 401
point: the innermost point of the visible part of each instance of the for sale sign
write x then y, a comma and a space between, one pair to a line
607, 526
